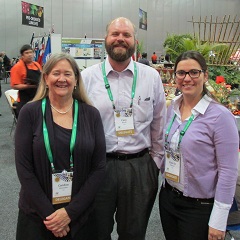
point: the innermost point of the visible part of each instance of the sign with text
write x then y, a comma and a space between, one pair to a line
32, 15
84, 48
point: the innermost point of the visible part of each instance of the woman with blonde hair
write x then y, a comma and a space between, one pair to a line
60, 156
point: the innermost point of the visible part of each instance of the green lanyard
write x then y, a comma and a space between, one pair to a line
73, 136
107, 86
181, 133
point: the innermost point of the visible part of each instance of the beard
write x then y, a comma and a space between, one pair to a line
119, 55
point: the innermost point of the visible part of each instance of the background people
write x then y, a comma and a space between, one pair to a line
144, 59
6, 61
127, 92
25, 76
60, 158
201, 159
154, 58
1, 69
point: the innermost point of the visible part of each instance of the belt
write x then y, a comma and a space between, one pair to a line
180, 194
123, 156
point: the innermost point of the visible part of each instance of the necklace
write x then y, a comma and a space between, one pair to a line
60, 111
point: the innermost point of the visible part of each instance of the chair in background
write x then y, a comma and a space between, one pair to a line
12, 96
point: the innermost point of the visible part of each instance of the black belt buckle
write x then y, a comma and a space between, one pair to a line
122, 156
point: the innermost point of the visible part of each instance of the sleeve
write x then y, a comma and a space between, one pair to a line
26, 166
226, 143
17, 73
219, 216
84, 198
158, 122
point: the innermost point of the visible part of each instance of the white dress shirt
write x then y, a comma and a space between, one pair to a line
149, 107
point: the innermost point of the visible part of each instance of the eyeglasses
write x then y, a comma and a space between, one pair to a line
193, 73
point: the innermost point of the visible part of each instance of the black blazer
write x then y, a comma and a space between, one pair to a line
33, 167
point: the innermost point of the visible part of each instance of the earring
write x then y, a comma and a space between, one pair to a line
75, 87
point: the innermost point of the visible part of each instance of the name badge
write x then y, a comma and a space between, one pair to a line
61, 187
172, 165
124, 122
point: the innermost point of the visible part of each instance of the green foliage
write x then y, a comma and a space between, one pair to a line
230, 73
140, 47
176, 44
221, 93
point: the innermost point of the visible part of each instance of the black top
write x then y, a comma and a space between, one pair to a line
33, 167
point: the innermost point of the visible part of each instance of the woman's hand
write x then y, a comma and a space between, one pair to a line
62, 233
58, 222
214, 234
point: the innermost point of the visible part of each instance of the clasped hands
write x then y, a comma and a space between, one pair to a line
58, 223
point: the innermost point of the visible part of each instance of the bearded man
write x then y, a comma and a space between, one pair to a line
131, 101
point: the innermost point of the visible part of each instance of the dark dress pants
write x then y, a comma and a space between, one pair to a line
29, 229
129, 192
183, 219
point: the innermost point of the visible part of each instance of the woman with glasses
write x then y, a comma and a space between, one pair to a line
201, 143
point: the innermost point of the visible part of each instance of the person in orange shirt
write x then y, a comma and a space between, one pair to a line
25, 76
154, 58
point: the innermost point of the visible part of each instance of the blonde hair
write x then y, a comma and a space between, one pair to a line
79, 93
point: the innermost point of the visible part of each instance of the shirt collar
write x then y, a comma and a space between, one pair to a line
201, 106
109, 68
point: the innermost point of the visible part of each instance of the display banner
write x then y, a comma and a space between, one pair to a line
47, 52
142, 19
32, 15
84, 48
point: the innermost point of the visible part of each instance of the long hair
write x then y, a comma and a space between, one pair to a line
202, 62
78, 93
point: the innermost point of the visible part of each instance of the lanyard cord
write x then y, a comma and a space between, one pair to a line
107, 85
182, 133
73, 135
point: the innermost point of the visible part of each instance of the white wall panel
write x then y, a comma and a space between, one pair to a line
97, 16
78, 21
75, 18
107, 14
68, 18
87, 13
56, 15
116, 9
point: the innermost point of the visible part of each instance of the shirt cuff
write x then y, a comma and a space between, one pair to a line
219, 216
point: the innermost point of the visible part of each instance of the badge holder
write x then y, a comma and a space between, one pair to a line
62, 186
172, 165
124, 122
